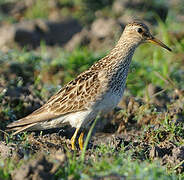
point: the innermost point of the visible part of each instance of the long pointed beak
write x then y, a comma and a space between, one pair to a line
158, 42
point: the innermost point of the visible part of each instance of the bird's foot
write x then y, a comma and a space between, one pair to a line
80, 140
73, 139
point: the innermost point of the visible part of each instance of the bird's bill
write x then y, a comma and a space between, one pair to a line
158, 42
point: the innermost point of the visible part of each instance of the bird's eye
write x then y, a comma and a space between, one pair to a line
139, 30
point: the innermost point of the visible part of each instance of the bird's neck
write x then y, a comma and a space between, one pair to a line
119, 61
120, 57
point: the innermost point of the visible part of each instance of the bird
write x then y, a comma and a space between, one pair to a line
96, 90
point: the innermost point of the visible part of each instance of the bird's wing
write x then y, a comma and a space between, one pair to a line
71, 98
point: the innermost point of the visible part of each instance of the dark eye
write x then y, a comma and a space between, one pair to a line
139, 30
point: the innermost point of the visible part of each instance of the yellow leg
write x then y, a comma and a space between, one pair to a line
73, 139
80, 140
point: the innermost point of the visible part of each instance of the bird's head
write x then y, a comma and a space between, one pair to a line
139, 33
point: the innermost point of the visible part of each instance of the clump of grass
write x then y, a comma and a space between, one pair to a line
40, 9
76, 62
119, 164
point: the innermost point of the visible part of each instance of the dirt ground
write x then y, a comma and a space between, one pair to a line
49, 148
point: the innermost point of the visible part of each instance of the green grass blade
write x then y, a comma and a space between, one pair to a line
88, 138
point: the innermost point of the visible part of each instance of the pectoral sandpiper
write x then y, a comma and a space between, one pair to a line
97, 90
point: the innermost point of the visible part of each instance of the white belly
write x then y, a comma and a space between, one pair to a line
109, 102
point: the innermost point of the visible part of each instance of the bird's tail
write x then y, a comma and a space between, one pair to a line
19, 129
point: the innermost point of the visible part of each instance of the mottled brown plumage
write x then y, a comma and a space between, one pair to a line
97, 90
